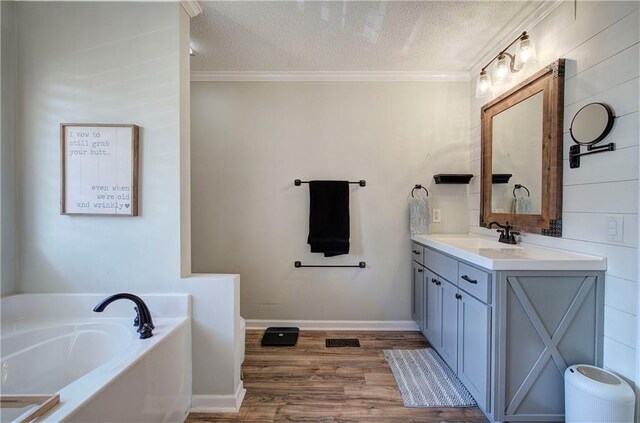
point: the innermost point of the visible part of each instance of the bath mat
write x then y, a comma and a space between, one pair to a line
425, 380
341, 342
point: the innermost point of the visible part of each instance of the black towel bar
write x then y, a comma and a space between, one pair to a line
361, 265
520, 186
361, 182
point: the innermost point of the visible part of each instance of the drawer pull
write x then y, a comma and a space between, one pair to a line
468, 279
416, 252
419, 270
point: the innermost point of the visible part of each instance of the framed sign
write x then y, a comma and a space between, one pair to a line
99, 169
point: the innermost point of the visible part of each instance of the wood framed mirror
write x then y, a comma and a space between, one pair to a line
522, 132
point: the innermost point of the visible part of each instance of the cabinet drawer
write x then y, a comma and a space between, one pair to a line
442, 265
475, 282
417, 252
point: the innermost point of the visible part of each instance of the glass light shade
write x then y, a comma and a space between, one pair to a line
483, 85
501, 73
525, 52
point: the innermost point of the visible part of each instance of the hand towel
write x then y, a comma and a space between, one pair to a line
329, 217
521, 205
419, 216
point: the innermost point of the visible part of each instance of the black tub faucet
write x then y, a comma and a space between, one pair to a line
507, 236
143, 317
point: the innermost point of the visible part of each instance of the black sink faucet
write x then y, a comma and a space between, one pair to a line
143, 317
507, 236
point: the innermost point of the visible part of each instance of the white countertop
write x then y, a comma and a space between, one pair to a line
489, 253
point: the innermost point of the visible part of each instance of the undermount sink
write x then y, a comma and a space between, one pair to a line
478, 244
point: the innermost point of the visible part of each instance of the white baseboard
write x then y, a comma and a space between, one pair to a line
218, 403
374, 325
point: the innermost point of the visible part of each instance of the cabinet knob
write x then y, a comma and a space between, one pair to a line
458, 296
419, 270
416, 252
433, 280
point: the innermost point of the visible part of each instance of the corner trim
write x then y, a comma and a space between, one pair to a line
218, 403
389, 325
326, 76
192, 7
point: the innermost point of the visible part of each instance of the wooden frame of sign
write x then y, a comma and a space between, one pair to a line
99, 169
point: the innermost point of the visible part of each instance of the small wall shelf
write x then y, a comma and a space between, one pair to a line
501, 178
452, 178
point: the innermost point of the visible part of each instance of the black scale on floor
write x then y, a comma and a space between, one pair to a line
280, 337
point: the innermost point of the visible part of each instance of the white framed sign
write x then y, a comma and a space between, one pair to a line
99, 169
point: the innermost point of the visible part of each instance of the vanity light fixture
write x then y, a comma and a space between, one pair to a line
506, 65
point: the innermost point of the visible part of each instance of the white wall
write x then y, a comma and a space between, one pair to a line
251, 140
8, 216
600, 43
116, 63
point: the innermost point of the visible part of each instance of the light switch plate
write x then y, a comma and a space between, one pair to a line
436, 216
614, 228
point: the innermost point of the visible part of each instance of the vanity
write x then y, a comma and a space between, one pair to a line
508, 319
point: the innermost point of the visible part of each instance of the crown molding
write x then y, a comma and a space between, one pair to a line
200, 76
192, 7
527, 24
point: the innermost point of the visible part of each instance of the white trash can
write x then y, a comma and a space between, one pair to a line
592, 394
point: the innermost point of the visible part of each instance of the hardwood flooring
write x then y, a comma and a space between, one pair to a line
311, 383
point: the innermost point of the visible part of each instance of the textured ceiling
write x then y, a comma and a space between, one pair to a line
350, 35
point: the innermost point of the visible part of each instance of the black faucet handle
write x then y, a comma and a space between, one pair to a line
136, 320
145, 331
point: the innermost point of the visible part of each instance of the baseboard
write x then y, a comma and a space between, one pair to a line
218, 403
375, 325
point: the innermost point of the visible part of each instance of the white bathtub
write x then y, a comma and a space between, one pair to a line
96, 362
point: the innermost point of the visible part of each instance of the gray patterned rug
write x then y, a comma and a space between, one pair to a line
425, 380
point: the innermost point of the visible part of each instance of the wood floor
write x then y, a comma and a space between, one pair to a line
312, 383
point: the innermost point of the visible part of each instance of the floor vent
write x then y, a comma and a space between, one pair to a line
344, 342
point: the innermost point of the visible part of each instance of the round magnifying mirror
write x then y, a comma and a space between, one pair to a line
591, 124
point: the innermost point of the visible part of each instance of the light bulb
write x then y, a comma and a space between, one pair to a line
483, 85
501, 73
525, 52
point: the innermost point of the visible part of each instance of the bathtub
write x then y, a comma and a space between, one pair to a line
97, 364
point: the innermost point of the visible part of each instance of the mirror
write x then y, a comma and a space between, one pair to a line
591, 124
517, 149
522, 143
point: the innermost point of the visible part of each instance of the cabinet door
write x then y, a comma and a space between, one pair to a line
433, 312
449, 304
474, 340
417, 294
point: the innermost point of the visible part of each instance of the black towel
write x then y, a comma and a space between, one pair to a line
329, 217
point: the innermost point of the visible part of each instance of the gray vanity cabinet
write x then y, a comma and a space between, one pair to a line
509, 335
433, 312
474, 335
449, 346
418, 294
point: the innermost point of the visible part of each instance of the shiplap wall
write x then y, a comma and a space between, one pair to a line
8, 212
600, 42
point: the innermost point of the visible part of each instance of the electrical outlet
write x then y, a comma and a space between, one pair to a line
436, 216
615, 227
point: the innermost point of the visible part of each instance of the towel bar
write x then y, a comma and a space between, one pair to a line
361, 265
520, 186
361, 182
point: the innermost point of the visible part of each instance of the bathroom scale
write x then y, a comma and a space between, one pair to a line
280, 337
